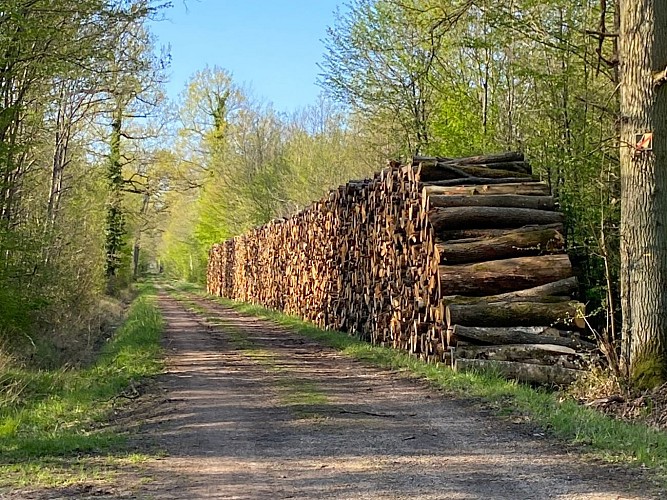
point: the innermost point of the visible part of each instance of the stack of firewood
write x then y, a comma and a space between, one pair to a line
505, 280
438, 254
362, 259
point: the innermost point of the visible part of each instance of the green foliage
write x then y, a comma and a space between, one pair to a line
67, 66
181, 253
51, 413
381, 59
50, 286
457, 129
248, 166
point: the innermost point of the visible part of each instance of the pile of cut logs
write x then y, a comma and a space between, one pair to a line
362, 260
446, 258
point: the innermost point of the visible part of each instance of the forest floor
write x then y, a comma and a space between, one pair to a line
247, 409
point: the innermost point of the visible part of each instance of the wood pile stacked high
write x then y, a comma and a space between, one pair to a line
506, 282
359, 260
439, 253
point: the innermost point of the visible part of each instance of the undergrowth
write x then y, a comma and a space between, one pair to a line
49, 417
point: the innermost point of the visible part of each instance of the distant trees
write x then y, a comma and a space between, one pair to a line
240, 164
131, 88
381, 59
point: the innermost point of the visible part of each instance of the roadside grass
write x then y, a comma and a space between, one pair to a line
604, 437
52, 430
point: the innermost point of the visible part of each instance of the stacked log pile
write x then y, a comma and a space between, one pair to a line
506, 282
359, 260
439, 253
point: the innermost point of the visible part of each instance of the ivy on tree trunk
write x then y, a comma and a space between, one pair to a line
115, 221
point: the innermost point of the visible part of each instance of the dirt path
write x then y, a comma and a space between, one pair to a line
251, 411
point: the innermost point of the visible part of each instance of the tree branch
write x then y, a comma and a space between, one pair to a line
601, 34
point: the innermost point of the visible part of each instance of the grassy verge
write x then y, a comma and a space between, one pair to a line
603, 436
50, 432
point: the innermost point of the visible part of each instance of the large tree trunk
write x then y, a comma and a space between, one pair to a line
479, 181
643, 58
565, 313
464, 234
501, 200
508, 156
507, 275
443, 172
523, 372
513, 335
549, 354
489, 217
556, 291
521, 188
115, 220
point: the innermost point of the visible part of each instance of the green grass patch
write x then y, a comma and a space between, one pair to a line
49, 417
561, 416
303, 397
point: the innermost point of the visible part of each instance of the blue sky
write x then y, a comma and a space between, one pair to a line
271, 45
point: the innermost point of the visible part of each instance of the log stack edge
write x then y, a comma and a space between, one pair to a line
441, 253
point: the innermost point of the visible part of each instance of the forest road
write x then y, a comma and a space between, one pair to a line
249, 410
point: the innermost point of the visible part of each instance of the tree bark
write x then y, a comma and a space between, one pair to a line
520, 188
115, 217
495, 314
556, 291
523, 372
511, 166
485, 278
513, 335
489, 217
451, 236
430, 172
518, 243
643, 66
508, 156
502, 200
549, 354
478, 181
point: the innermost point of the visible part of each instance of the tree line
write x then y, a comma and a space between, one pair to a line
81, 86
102, 178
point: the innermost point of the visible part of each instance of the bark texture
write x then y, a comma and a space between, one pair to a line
643, 56
523, 372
